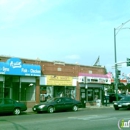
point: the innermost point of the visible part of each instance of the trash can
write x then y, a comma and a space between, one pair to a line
98, 102
106, 100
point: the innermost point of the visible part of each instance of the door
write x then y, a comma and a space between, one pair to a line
7, 105
59, 104
68, 103
83, 96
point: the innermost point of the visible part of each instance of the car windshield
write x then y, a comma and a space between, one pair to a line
123, 99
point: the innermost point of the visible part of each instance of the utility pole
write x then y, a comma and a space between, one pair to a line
116, 70
116, 76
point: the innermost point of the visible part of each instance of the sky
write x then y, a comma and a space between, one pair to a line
71, 31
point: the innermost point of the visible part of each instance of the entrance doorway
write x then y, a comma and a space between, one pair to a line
93, 94
59, 91
7, 87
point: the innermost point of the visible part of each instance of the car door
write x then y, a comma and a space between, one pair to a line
60, 105
68, 103
1, 104
8, 105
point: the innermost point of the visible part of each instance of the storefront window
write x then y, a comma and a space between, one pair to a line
96, 94
7, 92
56, 91
70, 92
59, 91
93, 94
90, 94
46, 92
1, 89
27, 92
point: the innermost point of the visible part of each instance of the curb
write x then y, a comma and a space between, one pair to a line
87, 107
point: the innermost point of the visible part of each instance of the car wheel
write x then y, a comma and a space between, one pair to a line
75, 108
17, 111
51, 109
116, 108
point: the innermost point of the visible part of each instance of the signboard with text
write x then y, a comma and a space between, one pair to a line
14, 66
59, 80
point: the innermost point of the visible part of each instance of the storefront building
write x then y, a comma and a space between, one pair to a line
19, 81
32, 80
93, 87
57, 86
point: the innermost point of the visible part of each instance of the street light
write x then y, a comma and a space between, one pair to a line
116, 30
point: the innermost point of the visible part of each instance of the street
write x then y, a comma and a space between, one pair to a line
84, 119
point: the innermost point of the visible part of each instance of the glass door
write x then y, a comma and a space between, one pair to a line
90, 94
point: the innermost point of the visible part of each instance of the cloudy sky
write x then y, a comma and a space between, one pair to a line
72, 31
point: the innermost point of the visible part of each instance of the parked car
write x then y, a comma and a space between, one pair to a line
11, 106
122, 103
112, 97
58, 104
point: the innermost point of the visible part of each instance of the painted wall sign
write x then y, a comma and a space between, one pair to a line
59, 80
14, 66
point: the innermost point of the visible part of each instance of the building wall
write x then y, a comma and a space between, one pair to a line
69, 69
63, 69
60, 69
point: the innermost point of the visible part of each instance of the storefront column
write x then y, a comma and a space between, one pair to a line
3, 85
65, 91
52, 91
37, 90
77, 92
10, 90
3, 89
20, 91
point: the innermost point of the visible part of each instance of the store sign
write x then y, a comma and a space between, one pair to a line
59, 80
14, 66
98, 80
81, 79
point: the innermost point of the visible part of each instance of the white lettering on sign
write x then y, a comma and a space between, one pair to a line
24, 70
34, 71
2, 72
15, 64
5, 69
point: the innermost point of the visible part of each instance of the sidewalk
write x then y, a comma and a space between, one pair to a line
102, 106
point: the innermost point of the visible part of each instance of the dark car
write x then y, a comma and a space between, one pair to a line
11, 106
122, 103
112, 97
58, 104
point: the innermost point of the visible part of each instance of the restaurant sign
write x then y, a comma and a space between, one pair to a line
59, 80
14, 66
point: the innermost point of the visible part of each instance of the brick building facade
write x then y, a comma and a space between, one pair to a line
56, 79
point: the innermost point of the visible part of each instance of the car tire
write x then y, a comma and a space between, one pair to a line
17, 111
75, 108
116, 108
50, 109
